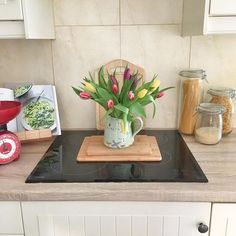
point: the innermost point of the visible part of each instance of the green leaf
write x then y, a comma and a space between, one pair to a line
162, 90
101, 79
109, 84
102, 102
91, 77
149, 99
103, 93
137, 109
108, 112
122, 108
126, 88
77, 90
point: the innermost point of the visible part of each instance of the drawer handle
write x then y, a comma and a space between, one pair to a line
202, 228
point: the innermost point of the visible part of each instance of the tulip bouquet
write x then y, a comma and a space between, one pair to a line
122, 102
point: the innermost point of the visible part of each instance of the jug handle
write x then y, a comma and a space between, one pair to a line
136, 130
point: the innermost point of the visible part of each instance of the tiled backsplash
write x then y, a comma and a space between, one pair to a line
90, 33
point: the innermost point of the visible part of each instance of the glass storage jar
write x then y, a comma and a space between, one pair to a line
208, 128
224, 96
191, 91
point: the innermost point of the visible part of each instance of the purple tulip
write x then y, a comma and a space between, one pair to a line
134, 84
114, 80
127, 74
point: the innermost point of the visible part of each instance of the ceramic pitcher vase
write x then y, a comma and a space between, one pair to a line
116, 137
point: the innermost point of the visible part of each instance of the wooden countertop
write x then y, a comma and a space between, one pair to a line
218, 163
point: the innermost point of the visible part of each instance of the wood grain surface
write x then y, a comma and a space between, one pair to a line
217, 161
144, 148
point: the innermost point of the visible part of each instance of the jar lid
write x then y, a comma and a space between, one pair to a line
198, 73
211, 108
222, 91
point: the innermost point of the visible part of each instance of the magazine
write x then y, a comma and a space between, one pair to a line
39, 107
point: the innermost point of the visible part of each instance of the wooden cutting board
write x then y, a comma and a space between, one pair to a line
145, 148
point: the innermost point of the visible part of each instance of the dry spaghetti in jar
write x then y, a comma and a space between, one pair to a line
224, 96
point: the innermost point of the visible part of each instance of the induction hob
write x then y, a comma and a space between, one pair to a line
59, 162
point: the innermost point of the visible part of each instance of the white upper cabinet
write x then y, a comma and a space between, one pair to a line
11, 10
223, 8
202, 17
29, 19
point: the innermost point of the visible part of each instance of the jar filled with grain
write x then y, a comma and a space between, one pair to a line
208, 128
224, 96
191, 91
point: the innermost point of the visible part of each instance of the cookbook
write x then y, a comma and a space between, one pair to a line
39, 107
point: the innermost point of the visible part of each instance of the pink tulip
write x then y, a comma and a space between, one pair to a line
110, 104
131, 95
161, 94
84, 95
114, 88
127, 74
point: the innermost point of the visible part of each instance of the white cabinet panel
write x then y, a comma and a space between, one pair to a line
222, 7
10, 218
114, 218
223, 220
123, 226
203, 17
108, 225
11, 10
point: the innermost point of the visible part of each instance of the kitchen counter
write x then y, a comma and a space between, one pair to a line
218, 163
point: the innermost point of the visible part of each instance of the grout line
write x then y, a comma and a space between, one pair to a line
190, 53
161, 24
53, 72
120, 26
119, 12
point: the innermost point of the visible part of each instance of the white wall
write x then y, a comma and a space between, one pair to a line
92, 32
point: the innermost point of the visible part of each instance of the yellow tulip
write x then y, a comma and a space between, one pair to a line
89, 87
142, 93
156, 83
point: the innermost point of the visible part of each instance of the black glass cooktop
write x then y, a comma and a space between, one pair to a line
59, 163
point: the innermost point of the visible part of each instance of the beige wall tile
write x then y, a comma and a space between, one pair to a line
86, 12
151, 11
217, 55
78, 50
26, 60
159, 49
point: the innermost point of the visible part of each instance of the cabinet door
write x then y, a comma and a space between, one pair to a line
223, 220
11, 10
10, 218
223, 7
114, 218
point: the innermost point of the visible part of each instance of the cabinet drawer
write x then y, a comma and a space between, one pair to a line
223, 8
11, 10
10, 218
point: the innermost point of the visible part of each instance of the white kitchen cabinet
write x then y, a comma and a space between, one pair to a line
204, 17
223, 222
11, 10
10, 219
114, 218
223, 8
29, 19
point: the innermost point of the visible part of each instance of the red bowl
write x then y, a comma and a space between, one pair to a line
8, 111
